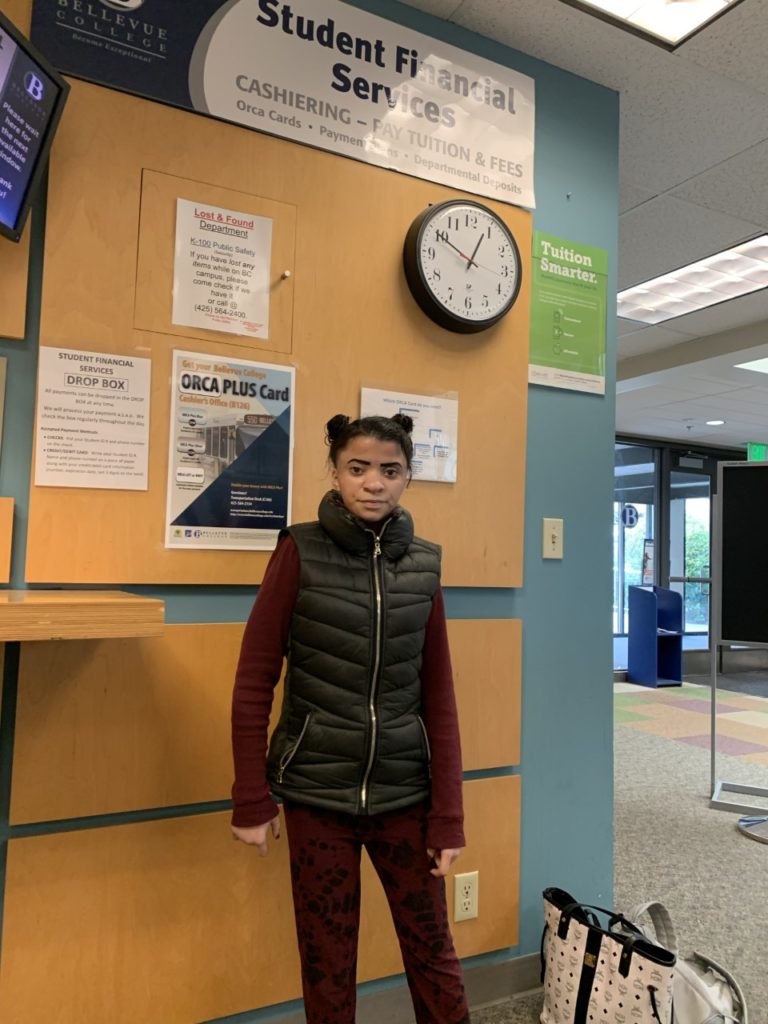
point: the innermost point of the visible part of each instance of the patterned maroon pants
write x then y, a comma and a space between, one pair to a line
325, 849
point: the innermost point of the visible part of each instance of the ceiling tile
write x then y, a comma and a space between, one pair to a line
631, 196
642, 343
734, 46
736, 186
700, 386
665, 233
649, 398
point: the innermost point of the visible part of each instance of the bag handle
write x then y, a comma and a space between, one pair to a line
731, 981
590, 918
661, 920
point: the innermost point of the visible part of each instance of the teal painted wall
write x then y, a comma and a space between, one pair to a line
566, 766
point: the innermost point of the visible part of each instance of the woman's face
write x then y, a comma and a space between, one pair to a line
370, 475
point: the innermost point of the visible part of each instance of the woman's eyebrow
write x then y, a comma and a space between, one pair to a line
367, 462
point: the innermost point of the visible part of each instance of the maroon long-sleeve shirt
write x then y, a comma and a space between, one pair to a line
261, 658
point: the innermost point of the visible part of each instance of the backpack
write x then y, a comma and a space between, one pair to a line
703, 992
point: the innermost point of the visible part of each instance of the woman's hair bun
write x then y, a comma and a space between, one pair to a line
334, 426
403, 421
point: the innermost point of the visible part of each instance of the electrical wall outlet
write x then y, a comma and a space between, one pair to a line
465, 896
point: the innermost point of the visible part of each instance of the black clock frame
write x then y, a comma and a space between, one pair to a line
423, 294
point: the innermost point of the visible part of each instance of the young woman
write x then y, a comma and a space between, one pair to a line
366, 752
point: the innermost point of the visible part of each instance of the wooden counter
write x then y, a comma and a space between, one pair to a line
78, 615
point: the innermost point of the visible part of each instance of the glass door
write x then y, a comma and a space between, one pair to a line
634, 518
690, 487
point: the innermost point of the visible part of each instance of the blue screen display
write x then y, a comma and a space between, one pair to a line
28, 97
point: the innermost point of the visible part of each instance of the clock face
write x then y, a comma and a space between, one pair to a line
462, 265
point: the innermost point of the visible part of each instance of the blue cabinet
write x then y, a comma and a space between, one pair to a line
655, 643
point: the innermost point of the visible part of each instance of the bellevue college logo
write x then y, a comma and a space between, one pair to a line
33, 85
123, 5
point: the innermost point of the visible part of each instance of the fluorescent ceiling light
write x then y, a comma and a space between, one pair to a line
667, 21
717, 278
715, 423
758, 365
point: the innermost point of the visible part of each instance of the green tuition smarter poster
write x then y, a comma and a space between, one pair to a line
568, 308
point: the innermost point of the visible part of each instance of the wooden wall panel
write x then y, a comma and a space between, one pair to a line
354, 324
154, 277
171, 922
19, 12
486, 656
14, 262
168, 922
115, 725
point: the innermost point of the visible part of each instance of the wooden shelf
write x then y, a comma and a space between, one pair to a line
78, 615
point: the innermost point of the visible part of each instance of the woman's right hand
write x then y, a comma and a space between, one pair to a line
256, 835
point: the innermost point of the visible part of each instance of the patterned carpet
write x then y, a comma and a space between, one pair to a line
682, 713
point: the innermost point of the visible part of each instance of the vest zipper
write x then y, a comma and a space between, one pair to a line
289, 755
377, 581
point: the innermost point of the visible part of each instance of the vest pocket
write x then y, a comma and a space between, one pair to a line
427, 748
291, 751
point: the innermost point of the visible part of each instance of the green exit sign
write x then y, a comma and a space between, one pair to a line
757, 452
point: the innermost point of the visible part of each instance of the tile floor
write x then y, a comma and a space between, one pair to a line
682, 713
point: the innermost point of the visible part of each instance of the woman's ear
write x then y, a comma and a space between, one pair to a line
334, 478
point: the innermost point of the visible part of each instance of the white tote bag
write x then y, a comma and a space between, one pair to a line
601, 975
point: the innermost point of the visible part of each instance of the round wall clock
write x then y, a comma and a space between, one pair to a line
462, 265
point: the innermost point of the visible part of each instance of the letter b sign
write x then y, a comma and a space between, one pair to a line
630, 516
33, 85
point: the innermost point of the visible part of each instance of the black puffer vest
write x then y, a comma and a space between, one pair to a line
350, 736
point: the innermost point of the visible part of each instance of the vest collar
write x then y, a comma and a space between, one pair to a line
356, 537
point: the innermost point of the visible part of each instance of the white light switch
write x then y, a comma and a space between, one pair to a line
552, 538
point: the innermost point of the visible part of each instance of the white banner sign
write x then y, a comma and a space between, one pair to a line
221, 269
92, 420
341, 79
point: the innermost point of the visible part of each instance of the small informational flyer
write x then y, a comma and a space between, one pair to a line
568, 315
230, 462
92, 420
221, 269
435, 429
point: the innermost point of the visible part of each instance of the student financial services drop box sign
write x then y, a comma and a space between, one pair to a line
568, 315
320, 72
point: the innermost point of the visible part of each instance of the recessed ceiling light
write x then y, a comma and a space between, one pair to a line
715, 423
666, 22
757, 365
707, 282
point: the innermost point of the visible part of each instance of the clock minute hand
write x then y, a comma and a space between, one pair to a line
474, 253
462, 254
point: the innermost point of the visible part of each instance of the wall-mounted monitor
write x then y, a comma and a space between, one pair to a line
32, 97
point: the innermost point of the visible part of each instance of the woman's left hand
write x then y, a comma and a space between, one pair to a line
443, 860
